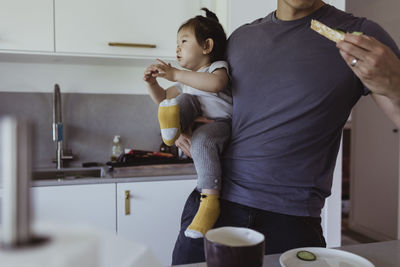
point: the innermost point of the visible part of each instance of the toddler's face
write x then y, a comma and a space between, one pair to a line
189, 52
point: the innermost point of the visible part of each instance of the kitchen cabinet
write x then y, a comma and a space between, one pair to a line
26, 25
89, 26
87, 204
155, 209
154, 213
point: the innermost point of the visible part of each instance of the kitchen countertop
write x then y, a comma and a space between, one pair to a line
162, 172
381, 254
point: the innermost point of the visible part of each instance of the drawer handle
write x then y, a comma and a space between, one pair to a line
132, 45
127, 202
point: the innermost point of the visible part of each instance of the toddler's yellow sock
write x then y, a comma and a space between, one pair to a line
206, 216
168, 117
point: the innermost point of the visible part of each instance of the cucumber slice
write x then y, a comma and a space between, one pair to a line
306, 255
340, 30
343, 31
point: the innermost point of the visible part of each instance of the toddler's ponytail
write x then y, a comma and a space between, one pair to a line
209, 14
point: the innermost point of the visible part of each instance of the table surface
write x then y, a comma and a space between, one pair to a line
381, 254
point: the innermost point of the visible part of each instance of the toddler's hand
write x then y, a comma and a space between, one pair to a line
166, 71
150, 74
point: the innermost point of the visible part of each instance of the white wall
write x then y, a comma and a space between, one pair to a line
85, 76
384, 12
374, 176
242, 12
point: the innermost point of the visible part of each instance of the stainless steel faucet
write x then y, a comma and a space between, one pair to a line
58, 132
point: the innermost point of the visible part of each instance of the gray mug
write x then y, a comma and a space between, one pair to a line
234, 247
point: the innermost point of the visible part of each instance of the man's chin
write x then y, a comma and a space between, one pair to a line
302, 4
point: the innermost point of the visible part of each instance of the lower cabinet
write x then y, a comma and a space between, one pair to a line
150, 213
147, 212
92, 204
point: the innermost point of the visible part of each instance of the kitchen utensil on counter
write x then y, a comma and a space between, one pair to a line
135, 157
234, 247
169, 149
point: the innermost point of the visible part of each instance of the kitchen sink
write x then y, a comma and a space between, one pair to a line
67, 173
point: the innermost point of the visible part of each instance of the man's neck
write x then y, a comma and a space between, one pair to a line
287, 11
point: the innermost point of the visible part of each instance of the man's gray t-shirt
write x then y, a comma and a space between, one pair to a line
292, 94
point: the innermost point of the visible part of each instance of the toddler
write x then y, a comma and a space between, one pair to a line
201, 90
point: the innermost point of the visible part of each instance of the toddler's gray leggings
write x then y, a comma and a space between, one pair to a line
207, 142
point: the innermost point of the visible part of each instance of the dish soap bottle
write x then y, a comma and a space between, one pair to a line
116, 148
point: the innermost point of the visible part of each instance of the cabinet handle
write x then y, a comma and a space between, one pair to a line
132, 45
127, 202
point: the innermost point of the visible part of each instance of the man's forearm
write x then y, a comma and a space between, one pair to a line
393, 91
390, 106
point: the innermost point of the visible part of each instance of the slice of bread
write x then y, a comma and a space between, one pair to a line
324, 30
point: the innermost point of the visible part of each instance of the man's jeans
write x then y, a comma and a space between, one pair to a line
282, 232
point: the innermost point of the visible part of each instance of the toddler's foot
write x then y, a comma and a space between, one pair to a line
168, 117
206, 216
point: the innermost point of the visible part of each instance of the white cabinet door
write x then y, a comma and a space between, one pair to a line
155, 213
88, 26
76, 204
26, 25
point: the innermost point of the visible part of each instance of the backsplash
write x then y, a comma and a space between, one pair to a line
90, 123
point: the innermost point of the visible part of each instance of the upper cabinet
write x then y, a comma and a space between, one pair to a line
141, 29
26, 25
89, 26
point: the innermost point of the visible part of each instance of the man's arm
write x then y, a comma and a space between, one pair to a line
391, 109
378, 68
183, 141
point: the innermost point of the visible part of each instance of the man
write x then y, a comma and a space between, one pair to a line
292, 91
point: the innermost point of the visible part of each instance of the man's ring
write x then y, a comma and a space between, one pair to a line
354, 62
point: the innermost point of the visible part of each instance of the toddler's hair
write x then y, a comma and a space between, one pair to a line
208, 27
